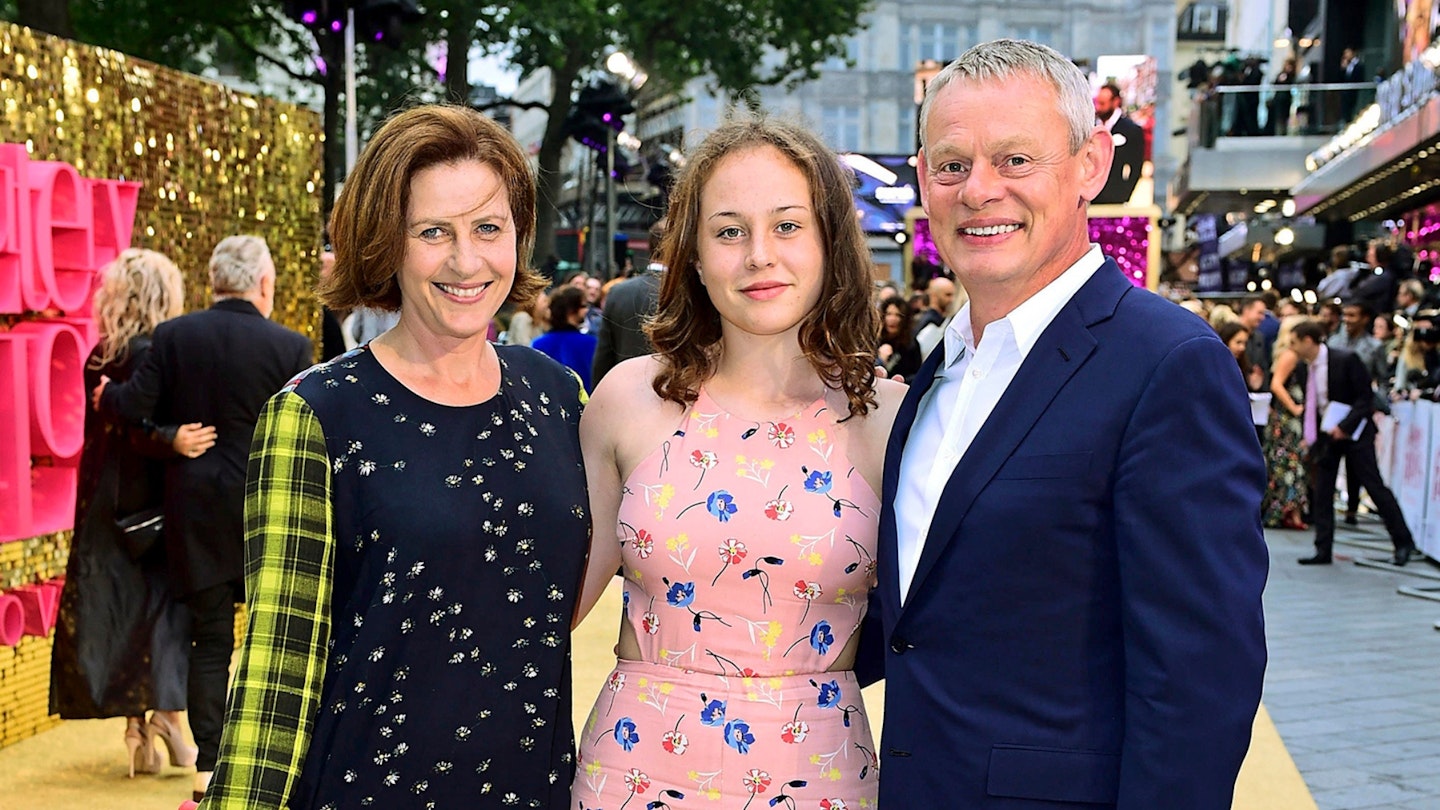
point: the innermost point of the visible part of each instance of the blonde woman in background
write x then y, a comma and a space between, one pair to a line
122, 640
1220, 315
529, 322
1287, 493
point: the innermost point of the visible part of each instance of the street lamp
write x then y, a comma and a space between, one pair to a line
621, 65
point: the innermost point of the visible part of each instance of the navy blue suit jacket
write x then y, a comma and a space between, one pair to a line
1084, 628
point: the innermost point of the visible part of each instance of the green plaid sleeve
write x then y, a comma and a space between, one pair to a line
288, 569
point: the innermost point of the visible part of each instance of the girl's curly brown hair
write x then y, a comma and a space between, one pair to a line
837, 336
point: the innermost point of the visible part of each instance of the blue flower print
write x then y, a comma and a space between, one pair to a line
821, 638
818, 482
829, 695
681, 594
721, 504
625, 733
714, 712
738, 736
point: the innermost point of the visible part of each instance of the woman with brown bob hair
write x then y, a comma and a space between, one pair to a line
757, 433
415, 511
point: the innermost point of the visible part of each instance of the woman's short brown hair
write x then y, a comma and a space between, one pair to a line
837, 337
367, 227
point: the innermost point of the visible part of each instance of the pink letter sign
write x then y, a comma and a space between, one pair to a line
56, 230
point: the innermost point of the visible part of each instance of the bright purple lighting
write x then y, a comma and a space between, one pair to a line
1127, 241
606, 118
379, 35
336, 25
309, 17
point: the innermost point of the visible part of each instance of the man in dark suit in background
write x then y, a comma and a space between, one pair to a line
1337, 376
217, 367
1070, 555
1352, 70
628, 306
1129, 140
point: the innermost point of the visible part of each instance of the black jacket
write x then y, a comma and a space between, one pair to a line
622, 325
217, 367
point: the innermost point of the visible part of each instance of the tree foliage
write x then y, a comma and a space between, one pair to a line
737, 44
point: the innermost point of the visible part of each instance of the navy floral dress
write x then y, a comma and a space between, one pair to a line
447, 581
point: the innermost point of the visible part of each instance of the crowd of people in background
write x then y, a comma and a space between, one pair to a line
1382, 312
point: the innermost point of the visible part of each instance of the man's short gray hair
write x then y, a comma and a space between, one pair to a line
235, 264
1003, 59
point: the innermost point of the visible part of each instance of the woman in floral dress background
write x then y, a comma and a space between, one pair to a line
1287, 493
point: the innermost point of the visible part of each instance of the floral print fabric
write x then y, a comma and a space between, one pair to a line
1287, 491
748, 553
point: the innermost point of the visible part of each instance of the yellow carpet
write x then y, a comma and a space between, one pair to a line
1269, 779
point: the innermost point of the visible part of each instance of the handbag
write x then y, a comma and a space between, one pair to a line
140, 531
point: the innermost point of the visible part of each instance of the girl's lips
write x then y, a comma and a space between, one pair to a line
764, 291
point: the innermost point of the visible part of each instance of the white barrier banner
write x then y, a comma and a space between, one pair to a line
1412, 461
1429, 537
1385, 446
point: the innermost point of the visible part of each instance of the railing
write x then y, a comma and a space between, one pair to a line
1271, 110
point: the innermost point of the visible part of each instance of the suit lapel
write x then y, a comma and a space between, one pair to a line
1062, 349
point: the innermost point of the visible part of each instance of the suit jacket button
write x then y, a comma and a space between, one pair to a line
899, 646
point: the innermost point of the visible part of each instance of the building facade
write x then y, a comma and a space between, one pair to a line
868, 105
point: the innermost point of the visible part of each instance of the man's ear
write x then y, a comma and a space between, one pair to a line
1096, 155
920, 175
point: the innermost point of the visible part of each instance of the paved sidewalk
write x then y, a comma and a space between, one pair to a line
1354, 679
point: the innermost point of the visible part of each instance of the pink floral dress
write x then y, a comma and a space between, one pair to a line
748, 552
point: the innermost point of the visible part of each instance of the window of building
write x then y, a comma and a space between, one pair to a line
840, 126
1043, 34
933, 40
906, 130
1203, 21
852, 55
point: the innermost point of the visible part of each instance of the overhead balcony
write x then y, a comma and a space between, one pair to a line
1249, 143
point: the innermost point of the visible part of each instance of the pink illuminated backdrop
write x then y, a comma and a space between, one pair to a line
1126, 239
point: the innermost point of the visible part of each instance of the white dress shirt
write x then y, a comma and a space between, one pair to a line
970, 381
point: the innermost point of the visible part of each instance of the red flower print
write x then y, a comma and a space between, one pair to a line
651, 623
704, 459
808, 590
675, 742
756, 781
732, 551
779, 509
781, 434
795, 731
644, 544
636, 780
832, 804
616, 681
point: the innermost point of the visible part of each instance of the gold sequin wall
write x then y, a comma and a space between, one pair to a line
211, 162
